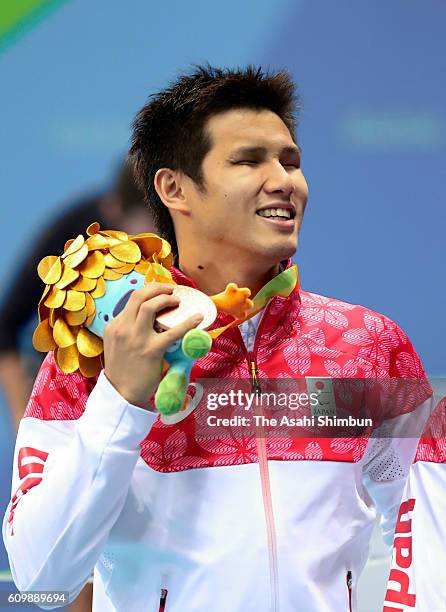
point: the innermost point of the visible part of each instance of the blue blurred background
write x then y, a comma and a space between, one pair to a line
373, 131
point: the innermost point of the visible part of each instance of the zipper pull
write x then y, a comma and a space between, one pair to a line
163, 597
349, 580
254, 380
349, 587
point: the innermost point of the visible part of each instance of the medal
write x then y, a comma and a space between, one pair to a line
192, 301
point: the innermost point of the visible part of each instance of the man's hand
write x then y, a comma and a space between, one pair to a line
133, 350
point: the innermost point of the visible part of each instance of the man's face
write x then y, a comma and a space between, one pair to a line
255, 192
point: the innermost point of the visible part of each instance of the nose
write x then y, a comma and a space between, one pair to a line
278, 179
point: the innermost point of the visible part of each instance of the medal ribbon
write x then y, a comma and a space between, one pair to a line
283, 284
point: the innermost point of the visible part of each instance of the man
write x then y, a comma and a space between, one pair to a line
171, 519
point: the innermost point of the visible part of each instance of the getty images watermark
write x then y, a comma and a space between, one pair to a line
319, 404
306, 407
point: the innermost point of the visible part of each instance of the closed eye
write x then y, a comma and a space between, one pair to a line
254, 162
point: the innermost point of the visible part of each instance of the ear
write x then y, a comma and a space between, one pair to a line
169, 185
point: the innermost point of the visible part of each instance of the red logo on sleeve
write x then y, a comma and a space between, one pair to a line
31, 462
402, 560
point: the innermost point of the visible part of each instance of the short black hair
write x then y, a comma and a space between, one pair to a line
169, 131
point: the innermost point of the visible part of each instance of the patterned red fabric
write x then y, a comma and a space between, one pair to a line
302, 335
57, 396
432, 446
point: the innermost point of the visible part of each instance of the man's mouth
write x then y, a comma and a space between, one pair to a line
276, 213
281, 217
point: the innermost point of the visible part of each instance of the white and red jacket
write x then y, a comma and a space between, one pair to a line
169, 520
417, 574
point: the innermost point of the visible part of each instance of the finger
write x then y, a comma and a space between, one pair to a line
178, 331
139, 296
149, 309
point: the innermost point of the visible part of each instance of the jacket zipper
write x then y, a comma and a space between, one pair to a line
265, 482
349, 588
255, 385
163, 597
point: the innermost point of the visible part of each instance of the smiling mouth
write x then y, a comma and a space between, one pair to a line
280, 222
274, 214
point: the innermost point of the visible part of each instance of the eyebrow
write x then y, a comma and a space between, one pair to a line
261, 151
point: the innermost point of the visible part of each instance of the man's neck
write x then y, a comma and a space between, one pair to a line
213, 276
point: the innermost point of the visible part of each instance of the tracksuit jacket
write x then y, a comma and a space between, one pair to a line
171, 520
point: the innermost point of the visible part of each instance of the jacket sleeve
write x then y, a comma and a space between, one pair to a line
416, 579
387, 462
405, 404
73, 462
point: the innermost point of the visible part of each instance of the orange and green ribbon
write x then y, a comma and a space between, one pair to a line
283, 285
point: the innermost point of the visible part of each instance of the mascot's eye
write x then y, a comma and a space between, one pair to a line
173, 347
122, 302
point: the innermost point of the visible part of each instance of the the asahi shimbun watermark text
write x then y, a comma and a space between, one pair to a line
306, 407
251, 402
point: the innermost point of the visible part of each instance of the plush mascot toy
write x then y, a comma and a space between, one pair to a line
90, 284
